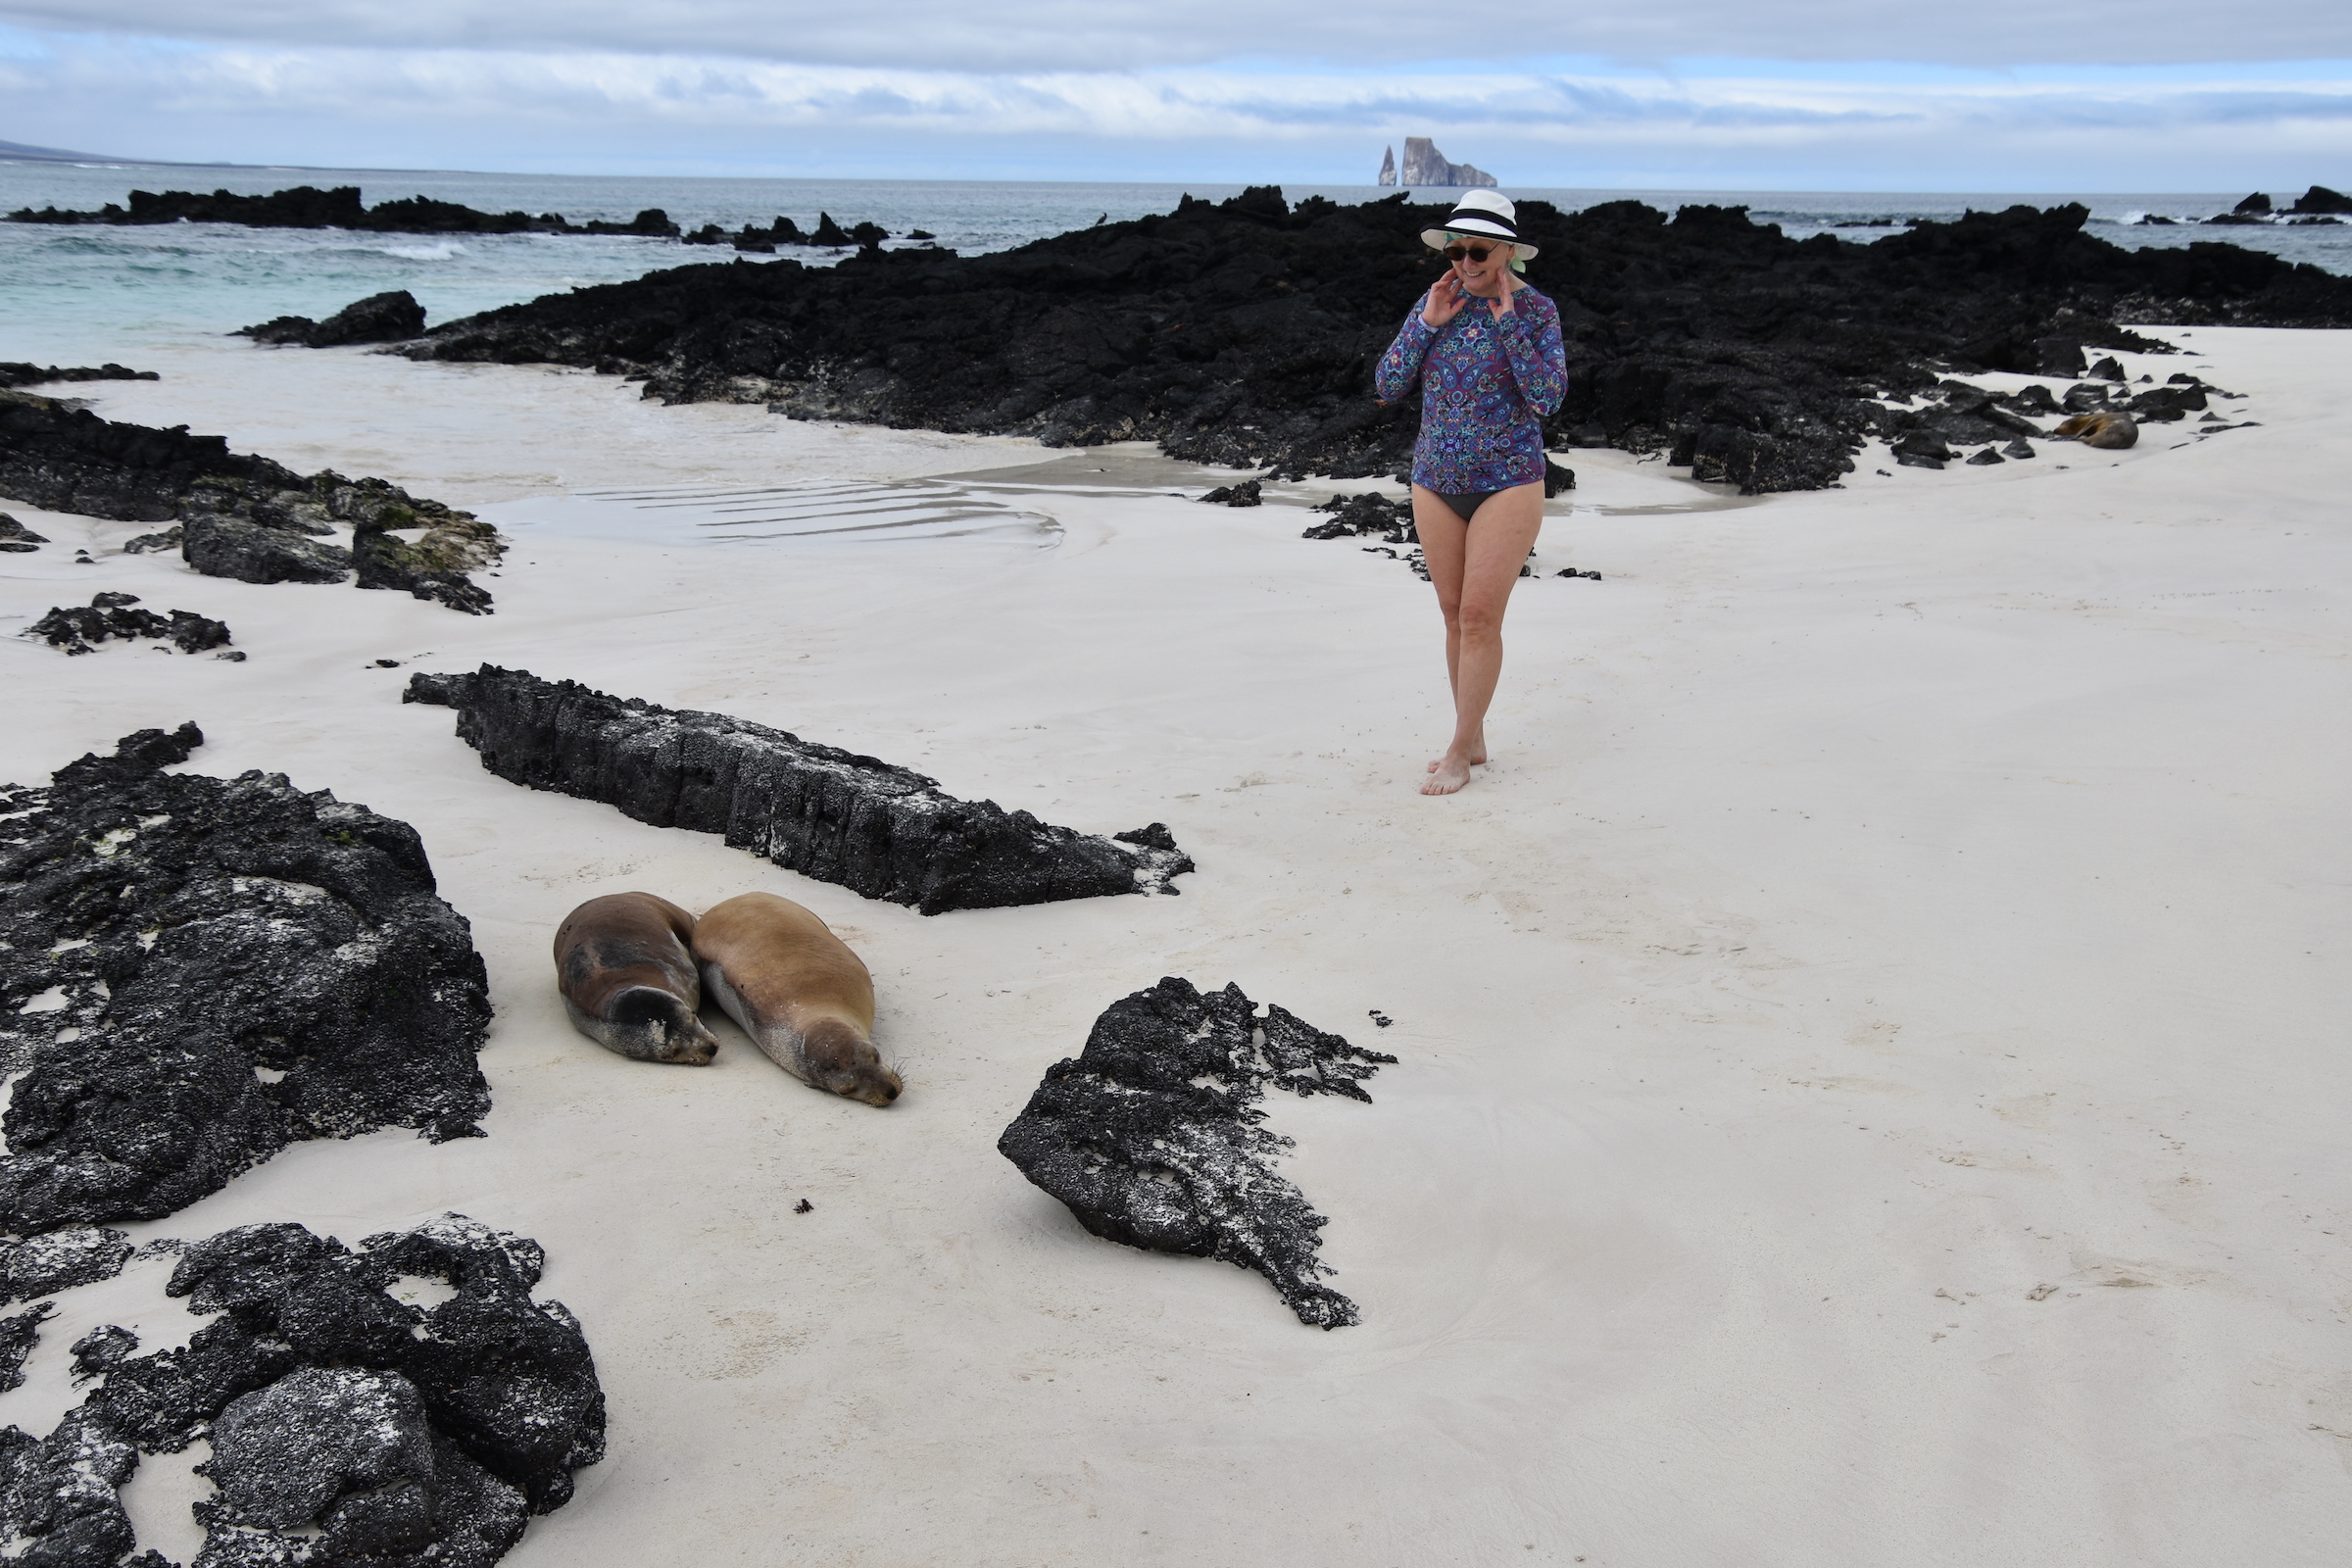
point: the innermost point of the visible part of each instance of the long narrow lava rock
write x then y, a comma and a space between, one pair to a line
879, 830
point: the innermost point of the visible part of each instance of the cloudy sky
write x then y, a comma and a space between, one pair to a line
1999, 95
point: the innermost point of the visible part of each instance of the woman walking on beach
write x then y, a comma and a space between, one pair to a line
1488, 372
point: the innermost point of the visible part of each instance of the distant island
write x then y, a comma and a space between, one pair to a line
309, 207
1425, 165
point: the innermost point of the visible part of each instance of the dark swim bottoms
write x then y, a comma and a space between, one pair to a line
1466, 504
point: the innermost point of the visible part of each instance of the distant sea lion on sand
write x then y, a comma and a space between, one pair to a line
798, 991
629, 980
2114, 431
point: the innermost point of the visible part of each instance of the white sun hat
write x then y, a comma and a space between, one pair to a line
1480, 215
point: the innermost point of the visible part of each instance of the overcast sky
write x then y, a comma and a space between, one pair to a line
2001, 95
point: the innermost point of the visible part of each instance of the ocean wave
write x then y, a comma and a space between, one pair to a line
442, 251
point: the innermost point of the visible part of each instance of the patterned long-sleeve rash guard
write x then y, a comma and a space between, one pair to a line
1485, 385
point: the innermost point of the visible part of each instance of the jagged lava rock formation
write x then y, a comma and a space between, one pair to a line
1151, 1134
1424, 164
15, 373
881, 831
76, 627
196, 971
1243, 333
388, 318
347, 1425
240, 515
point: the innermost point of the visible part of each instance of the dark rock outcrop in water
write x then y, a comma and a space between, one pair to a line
77, 628
15, 373
389, 318
241, 516
1243, 333
882, 832
309, 207
347, 1425
196, 971
1153, 1134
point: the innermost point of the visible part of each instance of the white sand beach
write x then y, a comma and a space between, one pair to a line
1872, 1081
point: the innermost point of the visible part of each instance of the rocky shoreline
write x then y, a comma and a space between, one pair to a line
309, 207
237, 515
1243, 333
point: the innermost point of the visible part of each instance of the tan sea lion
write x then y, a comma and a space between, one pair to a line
629, 980
798, 991
2114, 431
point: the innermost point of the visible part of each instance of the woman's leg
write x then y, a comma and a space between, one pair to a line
1442, 530
1473, 565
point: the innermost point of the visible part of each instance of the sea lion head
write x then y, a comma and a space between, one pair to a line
655, 1026
842, 1060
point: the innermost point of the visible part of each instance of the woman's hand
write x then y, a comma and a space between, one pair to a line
1446, 300
1501, 305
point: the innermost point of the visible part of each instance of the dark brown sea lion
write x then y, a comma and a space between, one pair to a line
629, 980
2113, 432
798, 991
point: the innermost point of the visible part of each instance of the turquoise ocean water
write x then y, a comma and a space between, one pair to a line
84, 295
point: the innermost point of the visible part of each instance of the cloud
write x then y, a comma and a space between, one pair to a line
1769, 126
1098, 36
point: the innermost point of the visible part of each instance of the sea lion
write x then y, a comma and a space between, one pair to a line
798, 991
629, 981
2114, 431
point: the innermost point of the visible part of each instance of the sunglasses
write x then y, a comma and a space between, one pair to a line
1476, 253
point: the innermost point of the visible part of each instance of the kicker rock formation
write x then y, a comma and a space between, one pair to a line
1425, 165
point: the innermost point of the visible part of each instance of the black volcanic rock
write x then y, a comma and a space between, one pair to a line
353, 1455
346, 1425
15, 374
390, 317
240, 516
58, 1494
238, 965
307, 207
19, 1333
1366, 516
1248, 493
69, 460
1243, 333
77, 628
42, 1265
2257, 205
2320, 199
220, 545
882, 832
1153, 1134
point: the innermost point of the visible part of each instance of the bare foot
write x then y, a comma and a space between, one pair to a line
1447, 774
1478, 755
